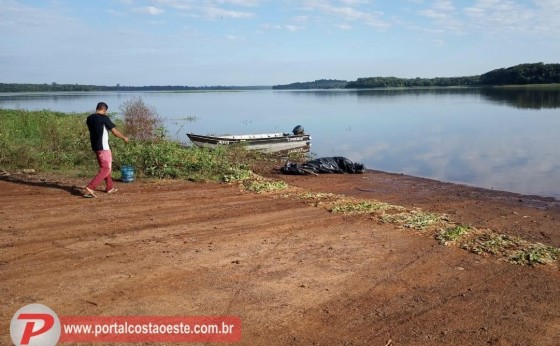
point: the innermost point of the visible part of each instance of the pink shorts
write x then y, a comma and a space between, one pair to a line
105, 161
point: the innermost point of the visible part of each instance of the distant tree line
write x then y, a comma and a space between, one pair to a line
537, 73
27, 87
523, 74
393, 82
318, 84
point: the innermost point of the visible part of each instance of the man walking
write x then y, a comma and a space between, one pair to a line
99, 126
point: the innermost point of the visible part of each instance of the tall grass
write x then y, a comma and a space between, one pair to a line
45, 140
58, 142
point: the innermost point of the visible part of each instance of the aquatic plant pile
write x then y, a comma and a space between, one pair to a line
484, 242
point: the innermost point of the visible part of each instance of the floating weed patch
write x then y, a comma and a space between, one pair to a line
536, 254
363, 207
260, 186
452, 234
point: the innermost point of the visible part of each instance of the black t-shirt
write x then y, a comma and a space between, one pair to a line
99, 126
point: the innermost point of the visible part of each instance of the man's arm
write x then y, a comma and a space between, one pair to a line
119, 134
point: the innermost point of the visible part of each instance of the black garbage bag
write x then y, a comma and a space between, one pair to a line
336, 164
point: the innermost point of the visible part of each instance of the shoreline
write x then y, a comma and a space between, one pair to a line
484, 190
294, 272
535, 218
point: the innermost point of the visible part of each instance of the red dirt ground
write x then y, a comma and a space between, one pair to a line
295, 274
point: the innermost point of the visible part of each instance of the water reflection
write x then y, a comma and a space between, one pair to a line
528, 98
532, 97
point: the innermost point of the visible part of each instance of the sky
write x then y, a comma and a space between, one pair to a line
268, 42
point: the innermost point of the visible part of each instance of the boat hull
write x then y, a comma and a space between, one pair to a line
263, 142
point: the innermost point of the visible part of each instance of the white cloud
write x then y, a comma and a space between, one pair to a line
343, 27
301, 19
293, 27
443, 5
212, 8
288, 27
354, 2
434, 14
247, 3
492, 17
348, 13
176, 4
438, 42
441, 9
215, 12
233, 38
151, 10
18, 17
501, 16
444, 16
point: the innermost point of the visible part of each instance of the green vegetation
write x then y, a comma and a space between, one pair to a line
44, 141
55, 87
318, 84
514, 249
452, 234
260, 186
536, 254
56, 142
523, 74
394, 82
492, 243
362, 207
316, 196
141, 122
414, 219
237, 174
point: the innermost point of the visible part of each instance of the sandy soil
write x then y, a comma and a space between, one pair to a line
295, 274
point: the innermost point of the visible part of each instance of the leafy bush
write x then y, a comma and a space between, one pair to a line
141, 122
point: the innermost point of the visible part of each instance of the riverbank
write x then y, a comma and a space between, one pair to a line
294, 272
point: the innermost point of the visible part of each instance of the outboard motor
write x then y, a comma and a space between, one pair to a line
298, 130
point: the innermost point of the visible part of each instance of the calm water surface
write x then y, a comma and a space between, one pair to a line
504, 139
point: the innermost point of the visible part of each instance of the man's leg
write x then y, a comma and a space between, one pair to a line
108, 160
104, 159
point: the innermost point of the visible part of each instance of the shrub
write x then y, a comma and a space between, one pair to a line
141, 122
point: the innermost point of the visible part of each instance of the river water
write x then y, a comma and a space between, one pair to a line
504, 139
